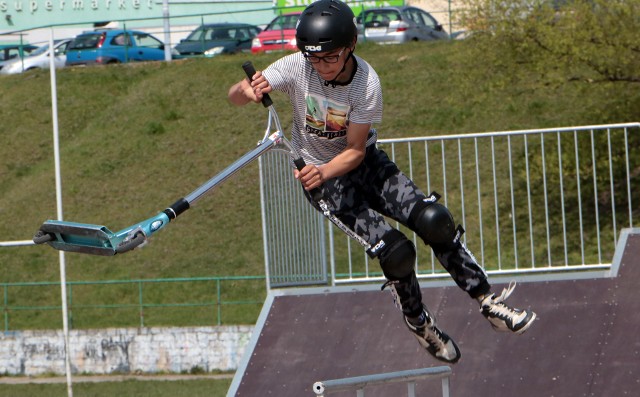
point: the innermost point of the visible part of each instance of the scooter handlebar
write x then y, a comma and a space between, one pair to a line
250, 71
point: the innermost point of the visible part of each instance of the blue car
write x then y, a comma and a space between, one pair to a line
102, 47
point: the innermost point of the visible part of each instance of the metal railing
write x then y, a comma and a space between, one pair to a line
139, 303
530, 201
409, 377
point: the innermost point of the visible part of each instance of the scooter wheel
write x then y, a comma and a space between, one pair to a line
42, 237
130, 244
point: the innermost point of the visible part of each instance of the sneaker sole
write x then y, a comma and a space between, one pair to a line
527, 325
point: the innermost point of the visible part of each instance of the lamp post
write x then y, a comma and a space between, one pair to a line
167, 34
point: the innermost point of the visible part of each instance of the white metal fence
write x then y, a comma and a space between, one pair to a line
531, 201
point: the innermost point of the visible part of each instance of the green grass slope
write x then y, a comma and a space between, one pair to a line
134, 138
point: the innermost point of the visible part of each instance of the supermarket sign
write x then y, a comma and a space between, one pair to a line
356, 5
16, 15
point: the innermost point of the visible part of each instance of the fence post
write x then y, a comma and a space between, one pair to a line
70, 305
140, 303
6, 309
218, 304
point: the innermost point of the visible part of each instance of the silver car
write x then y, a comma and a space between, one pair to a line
395, 25
38, 59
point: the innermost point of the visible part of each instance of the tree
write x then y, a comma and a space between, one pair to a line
588, 40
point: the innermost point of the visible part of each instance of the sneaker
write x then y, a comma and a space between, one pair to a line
505, 318
436, 342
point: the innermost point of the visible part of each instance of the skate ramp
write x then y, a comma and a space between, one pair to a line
586, 341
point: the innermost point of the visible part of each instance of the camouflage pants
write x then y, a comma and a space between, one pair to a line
376, 191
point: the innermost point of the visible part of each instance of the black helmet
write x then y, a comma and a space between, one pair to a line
325, 25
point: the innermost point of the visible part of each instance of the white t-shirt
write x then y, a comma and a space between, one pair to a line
322, 112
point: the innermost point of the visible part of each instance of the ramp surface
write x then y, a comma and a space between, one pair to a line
586, 341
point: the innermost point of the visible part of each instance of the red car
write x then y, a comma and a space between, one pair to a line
279, 35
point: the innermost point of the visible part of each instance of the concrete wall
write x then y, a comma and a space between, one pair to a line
124, 350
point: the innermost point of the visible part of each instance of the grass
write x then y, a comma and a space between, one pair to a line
134, 138
129, 388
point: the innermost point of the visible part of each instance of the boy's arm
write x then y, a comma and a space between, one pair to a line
313, 176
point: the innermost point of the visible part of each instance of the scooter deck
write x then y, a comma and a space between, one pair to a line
79, 237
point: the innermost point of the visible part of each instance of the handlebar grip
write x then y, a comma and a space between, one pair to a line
299, 163
316, 193
250, 71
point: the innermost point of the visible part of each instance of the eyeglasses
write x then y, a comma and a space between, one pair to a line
326, 59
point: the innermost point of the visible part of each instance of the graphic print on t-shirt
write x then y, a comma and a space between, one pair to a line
325, 118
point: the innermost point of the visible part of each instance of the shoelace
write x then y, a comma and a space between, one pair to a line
438, 340
432, 334
497, 303
388, 283
392, 287
506, 292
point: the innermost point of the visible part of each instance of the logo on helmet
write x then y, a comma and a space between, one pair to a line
313, 48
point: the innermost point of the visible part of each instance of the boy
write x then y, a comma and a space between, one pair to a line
336, 98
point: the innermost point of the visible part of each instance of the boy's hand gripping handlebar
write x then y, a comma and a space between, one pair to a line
299, 162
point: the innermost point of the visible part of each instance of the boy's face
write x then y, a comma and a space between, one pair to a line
328, 64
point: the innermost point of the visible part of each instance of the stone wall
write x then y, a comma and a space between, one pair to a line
124, 350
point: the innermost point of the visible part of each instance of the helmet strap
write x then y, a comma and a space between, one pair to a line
334, 82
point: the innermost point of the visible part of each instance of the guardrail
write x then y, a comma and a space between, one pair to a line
140, 303
531, 201
409, 377
16, 243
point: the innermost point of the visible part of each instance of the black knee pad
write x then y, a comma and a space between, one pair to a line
398, 258
433, 223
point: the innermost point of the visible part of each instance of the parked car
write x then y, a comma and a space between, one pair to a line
394, 25
280, 34
101, 47
218, 38
38, 59
11, 51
